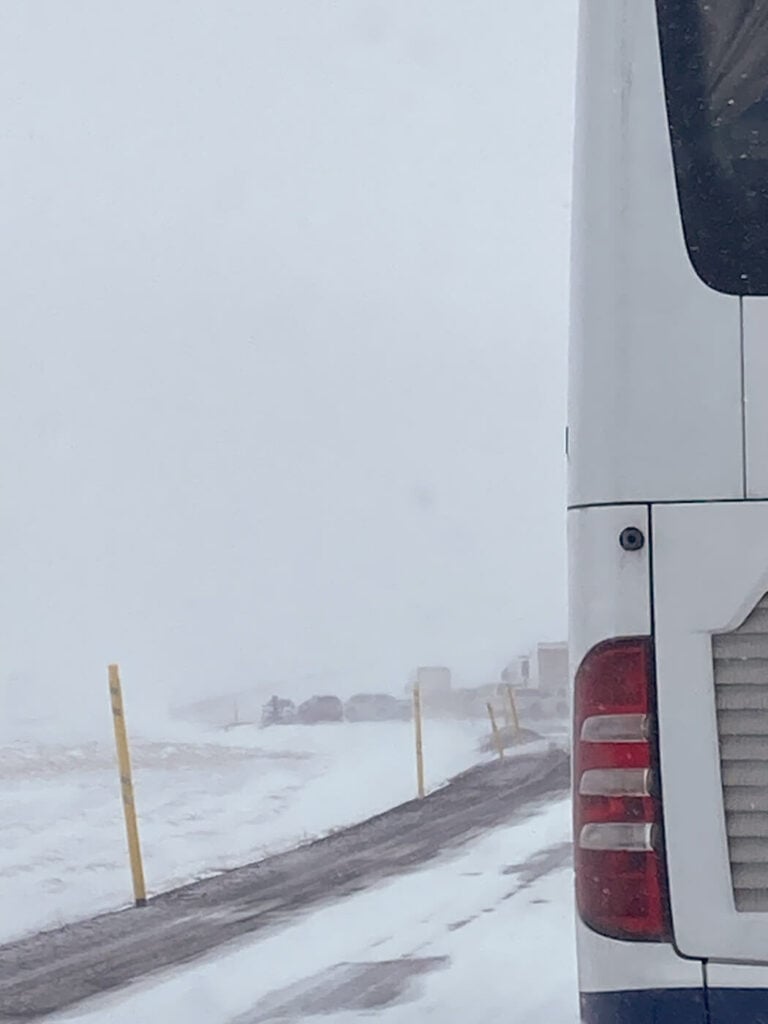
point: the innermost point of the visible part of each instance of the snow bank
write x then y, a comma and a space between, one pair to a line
206, 802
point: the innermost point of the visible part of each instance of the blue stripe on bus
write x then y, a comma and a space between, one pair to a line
676, 1006
651, 1006
738, 1005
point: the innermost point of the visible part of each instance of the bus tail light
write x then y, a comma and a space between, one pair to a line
621, 887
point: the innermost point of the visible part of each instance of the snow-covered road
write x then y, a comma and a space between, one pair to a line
206, 801
484, 934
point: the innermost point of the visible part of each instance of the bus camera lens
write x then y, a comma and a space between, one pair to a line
631, 539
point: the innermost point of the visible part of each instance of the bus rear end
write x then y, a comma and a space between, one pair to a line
668, 511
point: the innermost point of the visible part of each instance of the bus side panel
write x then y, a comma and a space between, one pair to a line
608, 588
610, 597
755, 390
610, 970
655, 355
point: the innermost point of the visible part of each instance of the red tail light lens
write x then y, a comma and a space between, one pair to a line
621, 887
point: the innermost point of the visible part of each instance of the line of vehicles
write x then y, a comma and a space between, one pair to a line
533, 705
363, 707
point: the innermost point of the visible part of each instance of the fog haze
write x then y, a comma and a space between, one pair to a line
284, 318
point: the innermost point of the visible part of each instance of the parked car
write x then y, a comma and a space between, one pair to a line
376, 707
278, 711
320, 709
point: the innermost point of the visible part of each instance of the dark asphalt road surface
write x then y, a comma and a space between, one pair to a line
56, 969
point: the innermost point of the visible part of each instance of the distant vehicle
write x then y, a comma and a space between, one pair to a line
536, 709
434, 680
376, 707
320, 709
278, 711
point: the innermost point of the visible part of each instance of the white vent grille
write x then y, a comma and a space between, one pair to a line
741, 688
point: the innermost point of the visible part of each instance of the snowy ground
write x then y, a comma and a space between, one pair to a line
206, 802
486, 934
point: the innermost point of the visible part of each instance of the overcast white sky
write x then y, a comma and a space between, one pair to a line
283, 317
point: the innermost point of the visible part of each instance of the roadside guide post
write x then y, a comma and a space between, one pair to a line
419, 740
126, 785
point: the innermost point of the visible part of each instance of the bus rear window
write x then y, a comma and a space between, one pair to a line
715, 60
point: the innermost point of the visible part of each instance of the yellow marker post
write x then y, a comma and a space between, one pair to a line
513, 709
126, 784
497, 740
419, 743
507, 711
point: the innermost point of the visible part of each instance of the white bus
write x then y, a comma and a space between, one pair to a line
668, 511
